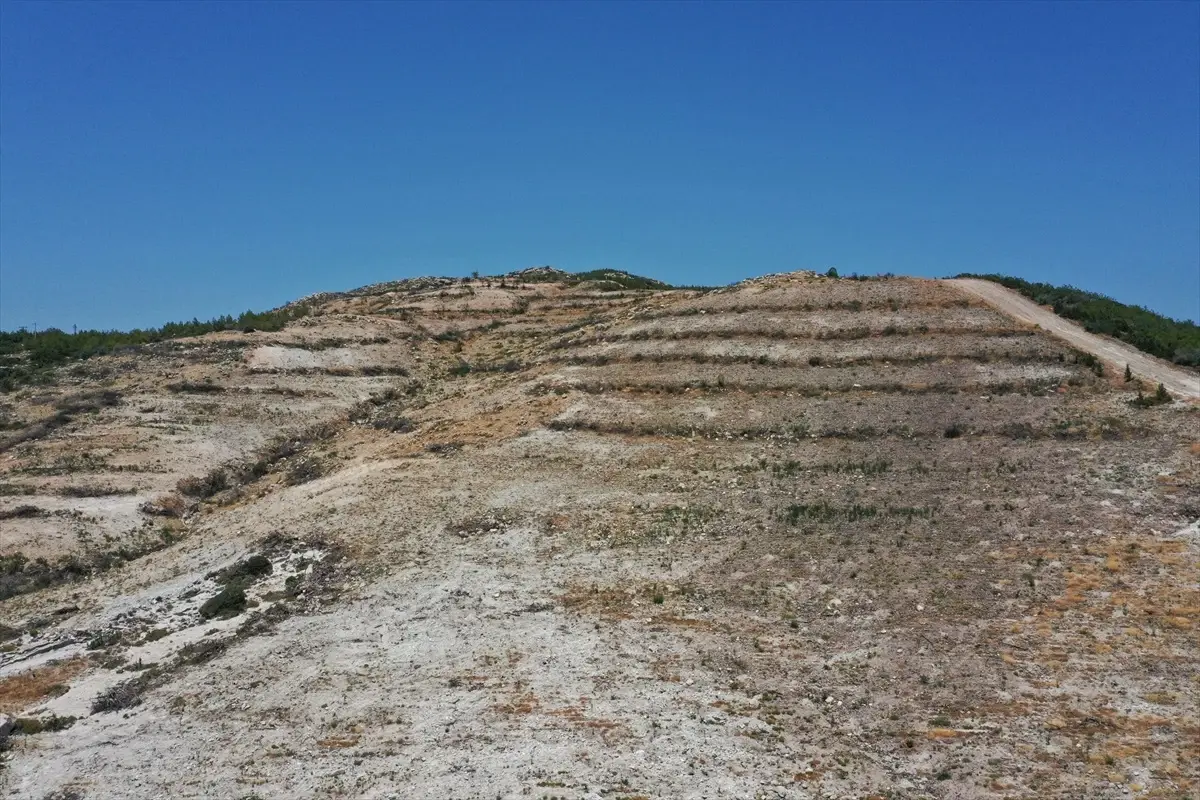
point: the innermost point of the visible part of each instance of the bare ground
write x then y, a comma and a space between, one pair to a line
572, 573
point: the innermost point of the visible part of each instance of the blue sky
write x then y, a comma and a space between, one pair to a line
168, 160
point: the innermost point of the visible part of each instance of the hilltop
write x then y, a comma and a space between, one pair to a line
585, 535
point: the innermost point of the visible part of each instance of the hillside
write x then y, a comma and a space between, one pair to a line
592, 536
1173, 340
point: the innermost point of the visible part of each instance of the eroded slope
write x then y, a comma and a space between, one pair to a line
798, 538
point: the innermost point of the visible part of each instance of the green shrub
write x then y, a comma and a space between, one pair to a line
28, 726
304, 470
229, 602
395, 424
104, 639
204, 487
245, 571
1160, 397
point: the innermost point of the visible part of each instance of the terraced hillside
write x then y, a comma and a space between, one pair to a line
542, 536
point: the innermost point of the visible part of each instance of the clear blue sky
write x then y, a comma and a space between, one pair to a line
167, 160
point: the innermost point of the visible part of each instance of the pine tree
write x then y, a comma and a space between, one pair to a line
1128, 374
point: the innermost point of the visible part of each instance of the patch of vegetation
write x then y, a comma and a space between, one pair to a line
611, 279
279, 449
825, 512
244, 572
28, 726
66, 410
382, 411
204, 487
866, 467
104, 639
155, 635
303, 470
680, 520
22, 512
618, 280
92, 491
954, 430
330, 342
229, 602
191, 387
394, 424
127, 694
511, 365
1174, 340
1160, 397
19, 574
26, 357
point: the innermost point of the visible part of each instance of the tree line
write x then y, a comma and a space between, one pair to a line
27, 356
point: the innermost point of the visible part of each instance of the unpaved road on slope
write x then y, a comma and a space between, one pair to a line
1179, 382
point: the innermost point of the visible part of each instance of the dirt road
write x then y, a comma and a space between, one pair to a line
1179, 382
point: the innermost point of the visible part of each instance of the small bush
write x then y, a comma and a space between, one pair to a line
155, 635
126, 694
395, 424
28, 726
303, 471
88, 402
202, 651
229, 602
1018, 430
245, 571
204, 487
104, 639
954, 431
167, 505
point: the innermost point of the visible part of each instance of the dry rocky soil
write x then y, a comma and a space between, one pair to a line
796, 538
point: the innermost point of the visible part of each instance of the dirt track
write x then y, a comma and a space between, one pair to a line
1179, 383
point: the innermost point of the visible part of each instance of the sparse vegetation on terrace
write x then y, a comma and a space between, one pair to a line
25, 356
